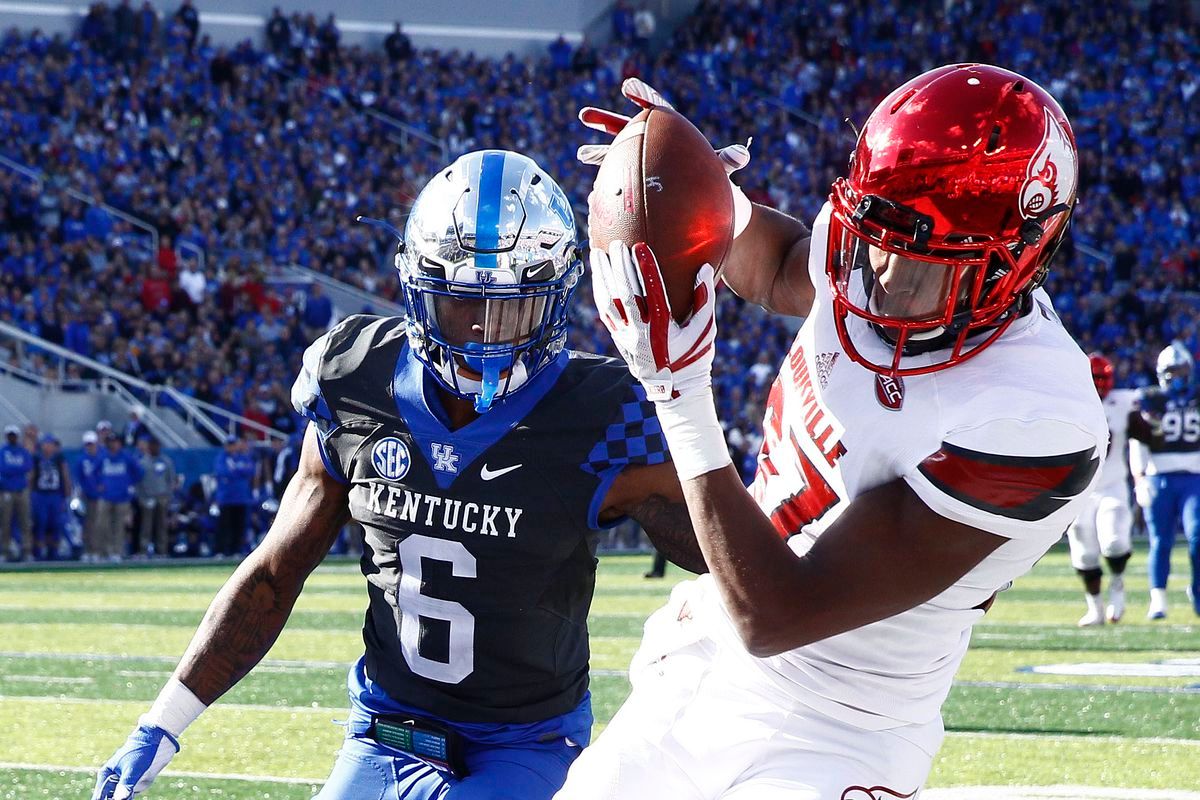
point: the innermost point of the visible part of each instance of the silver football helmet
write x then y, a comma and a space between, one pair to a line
488, 265
1174, 368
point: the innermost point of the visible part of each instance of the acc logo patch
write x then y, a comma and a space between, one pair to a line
889, 392
390, 458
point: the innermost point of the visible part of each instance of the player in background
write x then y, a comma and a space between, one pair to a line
1165, 461
480, 457
1104, 526
932, 432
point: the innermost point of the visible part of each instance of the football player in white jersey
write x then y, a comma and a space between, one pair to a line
1105, 522
932, 432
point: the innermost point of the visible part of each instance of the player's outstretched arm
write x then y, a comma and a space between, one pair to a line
240, 626
768, 263
249, 612
651, 494
887, 553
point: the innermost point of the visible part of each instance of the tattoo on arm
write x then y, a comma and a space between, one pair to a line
250, 611
238, 630
669, 527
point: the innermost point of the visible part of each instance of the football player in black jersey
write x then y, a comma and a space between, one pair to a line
480, 458
1165, 462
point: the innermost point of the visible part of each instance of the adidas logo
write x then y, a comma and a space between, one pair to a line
825, 362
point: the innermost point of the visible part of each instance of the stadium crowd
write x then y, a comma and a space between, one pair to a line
262, 154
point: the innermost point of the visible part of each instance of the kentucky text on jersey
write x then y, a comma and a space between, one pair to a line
407, 506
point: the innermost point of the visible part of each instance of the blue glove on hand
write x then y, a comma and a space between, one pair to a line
136, 764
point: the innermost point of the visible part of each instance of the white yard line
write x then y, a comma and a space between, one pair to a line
1054, 793
170, 773
271, 662
1049, 737
58, 700
956, 793
46, 679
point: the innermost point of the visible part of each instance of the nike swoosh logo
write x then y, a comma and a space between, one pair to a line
488, 474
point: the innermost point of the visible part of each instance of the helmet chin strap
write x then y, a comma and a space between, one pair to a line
491, 368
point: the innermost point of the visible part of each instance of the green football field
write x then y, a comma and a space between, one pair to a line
1038, 702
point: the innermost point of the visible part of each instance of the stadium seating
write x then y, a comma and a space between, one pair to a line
260, 157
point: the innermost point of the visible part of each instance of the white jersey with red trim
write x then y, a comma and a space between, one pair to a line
1007, 442
1118, 405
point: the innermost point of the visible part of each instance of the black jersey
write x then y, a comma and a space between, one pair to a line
47, 473
1168, 422
477, 551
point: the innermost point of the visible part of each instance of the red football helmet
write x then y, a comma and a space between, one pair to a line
960, 190
1102, 373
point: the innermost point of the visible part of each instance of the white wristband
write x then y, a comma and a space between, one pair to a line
174, 709
742, 210
693, 434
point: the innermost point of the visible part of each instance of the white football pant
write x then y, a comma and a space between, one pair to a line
693, 730
1103, 528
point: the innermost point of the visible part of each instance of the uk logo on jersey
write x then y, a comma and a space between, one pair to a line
444, 458
390, 458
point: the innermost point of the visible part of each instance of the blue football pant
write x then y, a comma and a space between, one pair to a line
367, 771
1173, 496
47, 519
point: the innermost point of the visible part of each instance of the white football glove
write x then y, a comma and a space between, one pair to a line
733, 157
136, 764
669, 360
1141, 493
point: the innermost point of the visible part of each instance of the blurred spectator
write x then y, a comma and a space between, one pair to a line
119, 474
644, 25
193, 283
51, 485
136, 427
30, 437
87, 483
622, 22
156, 292
397, 45
16, 462
154, 493
318, 311
278, 32
189, 17
235, 470
287, 463
260, 410
560, 53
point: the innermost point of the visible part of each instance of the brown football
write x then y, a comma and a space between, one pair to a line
662, 184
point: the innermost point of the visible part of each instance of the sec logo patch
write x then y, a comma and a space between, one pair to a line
390, 458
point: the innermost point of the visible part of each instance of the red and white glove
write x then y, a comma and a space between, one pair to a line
669, 360
673, 362
733, 157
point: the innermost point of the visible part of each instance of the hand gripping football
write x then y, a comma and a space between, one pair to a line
662, 184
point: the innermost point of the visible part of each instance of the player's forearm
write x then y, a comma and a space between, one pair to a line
750, 563
239, 628
249, 612
669, 527
768, 263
